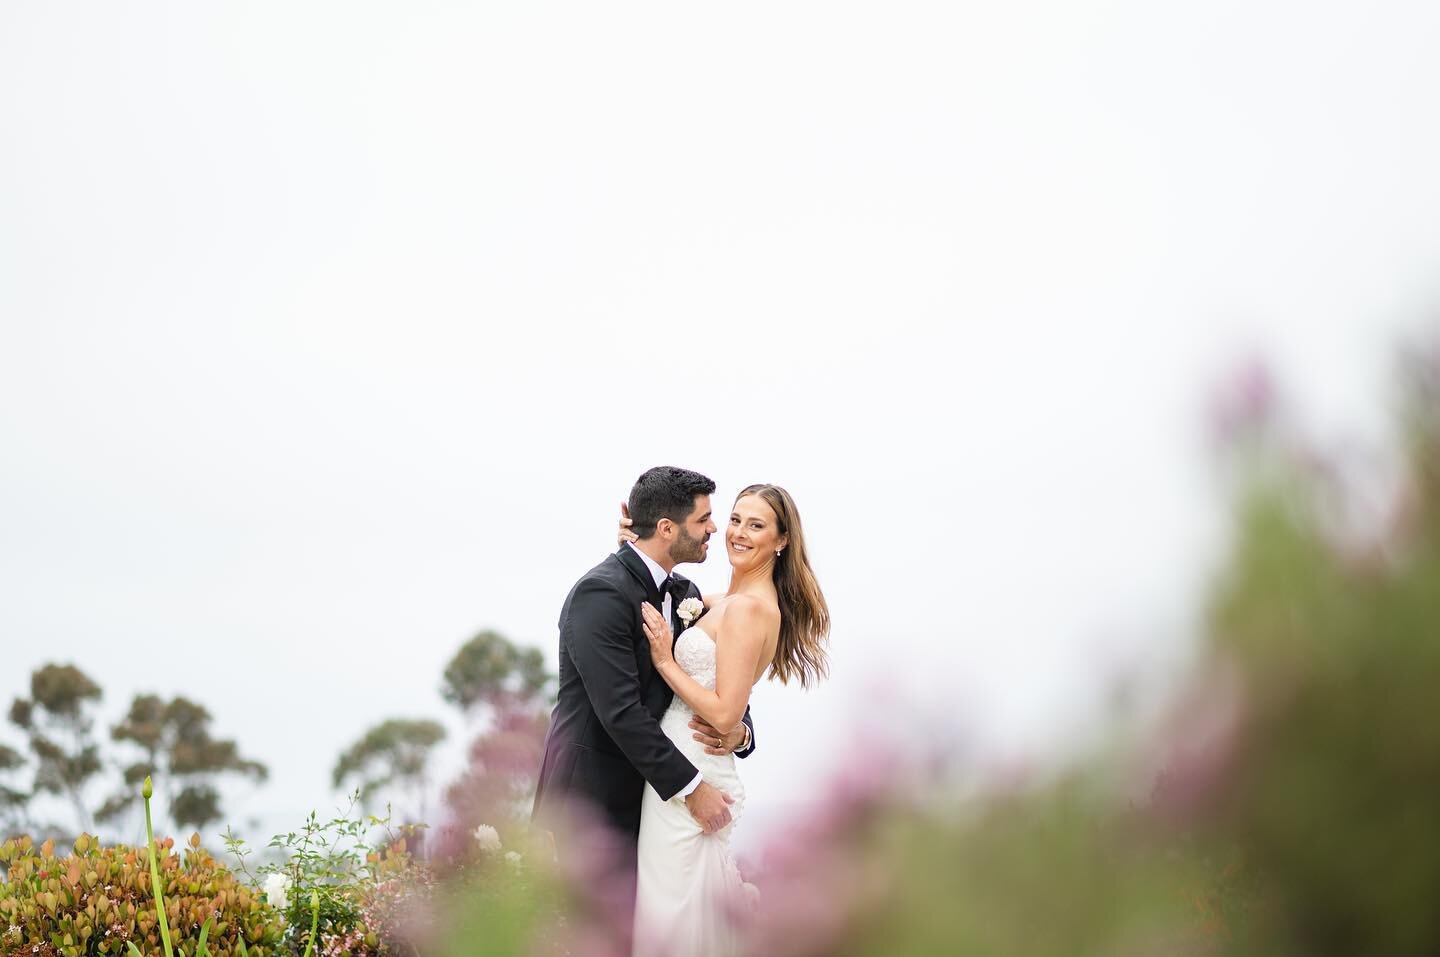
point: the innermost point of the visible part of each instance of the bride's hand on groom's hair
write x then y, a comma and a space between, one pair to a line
658, 633
625, 535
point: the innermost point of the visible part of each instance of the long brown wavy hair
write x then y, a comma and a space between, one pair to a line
804, 616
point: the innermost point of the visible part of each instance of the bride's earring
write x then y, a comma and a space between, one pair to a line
778, 551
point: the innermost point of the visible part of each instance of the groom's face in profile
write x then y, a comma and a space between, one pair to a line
692, 535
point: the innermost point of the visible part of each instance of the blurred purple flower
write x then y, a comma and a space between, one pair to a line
1198, 746
1245, 405
817, 878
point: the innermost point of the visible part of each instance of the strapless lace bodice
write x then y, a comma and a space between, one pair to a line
695, 654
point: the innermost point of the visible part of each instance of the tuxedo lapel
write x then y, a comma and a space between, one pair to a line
635, 565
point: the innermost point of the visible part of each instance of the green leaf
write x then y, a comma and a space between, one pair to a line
204, 933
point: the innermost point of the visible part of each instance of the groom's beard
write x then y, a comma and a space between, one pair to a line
687, 549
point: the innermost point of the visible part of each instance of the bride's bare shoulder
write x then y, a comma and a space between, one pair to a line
748, 611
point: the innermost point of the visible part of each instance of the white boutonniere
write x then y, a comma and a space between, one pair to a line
689, 610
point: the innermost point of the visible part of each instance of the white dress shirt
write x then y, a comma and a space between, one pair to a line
660, 575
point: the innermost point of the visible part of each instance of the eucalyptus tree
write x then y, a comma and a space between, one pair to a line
12, 800
58, 719
507, 688
490, 670
394, 754
171, 740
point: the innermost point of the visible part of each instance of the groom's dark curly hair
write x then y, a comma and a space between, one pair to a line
665, 492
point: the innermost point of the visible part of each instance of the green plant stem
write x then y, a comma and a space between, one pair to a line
155, 875
314, 921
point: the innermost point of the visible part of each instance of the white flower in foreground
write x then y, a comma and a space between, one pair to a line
513, 857
750, 894
277, 887
690, 609
488, 838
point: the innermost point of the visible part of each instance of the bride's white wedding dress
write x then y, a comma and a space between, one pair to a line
689, 893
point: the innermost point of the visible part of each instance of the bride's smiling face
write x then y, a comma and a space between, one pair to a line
753, 535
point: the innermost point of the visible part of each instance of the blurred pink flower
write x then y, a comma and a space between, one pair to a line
1197, 747
1244, 406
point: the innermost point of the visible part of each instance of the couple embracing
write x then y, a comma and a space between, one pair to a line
654, 695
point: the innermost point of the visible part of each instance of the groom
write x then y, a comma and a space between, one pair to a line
605, 742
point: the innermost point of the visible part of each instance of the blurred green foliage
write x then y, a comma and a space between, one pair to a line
501, 914
1297, 812
1335, 629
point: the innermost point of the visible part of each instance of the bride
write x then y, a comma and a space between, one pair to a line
773, 617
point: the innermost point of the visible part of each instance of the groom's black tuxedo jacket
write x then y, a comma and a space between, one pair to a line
605, 740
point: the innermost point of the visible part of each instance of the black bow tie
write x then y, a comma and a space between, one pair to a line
676, 588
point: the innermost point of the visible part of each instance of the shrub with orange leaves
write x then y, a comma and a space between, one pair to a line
94, 899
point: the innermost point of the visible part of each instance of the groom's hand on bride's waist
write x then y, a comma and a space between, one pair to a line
715, 742
710, 807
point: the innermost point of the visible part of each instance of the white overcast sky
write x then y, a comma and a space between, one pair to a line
334, 332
